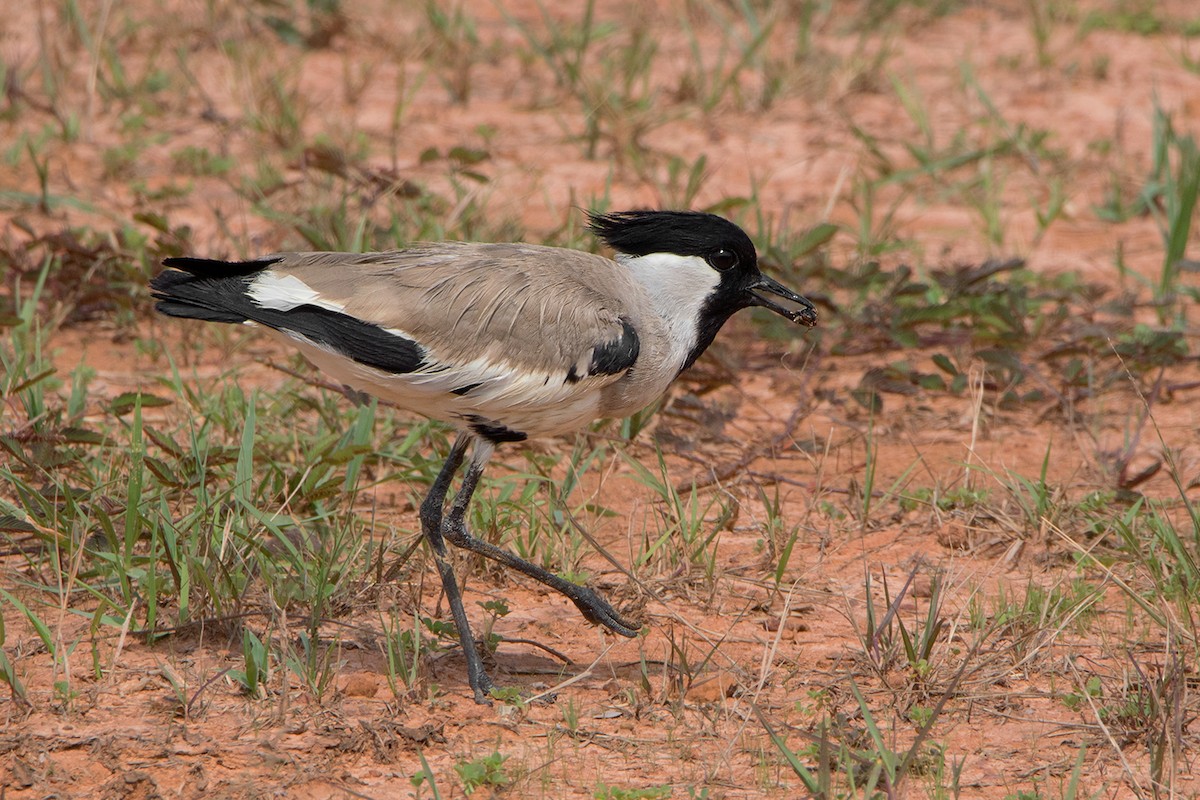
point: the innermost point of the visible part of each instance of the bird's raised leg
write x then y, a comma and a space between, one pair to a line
431, 527
594, 608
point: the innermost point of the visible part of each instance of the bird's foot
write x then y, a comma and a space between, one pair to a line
598, 611
486, 692
481, 685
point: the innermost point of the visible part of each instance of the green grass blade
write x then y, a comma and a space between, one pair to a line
810, 781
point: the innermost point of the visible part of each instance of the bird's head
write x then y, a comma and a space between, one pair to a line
690, 254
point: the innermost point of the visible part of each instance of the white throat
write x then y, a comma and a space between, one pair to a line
678, 287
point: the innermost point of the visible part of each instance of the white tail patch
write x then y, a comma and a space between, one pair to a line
285, 292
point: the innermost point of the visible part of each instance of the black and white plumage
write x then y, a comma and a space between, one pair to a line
503, 341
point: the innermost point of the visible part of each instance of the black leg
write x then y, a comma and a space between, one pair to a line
594, 608
431, 527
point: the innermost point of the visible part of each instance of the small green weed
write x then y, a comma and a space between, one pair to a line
606, 792
483, 773
257, 666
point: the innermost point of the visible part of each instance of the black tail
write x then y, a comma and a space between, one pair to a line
218, 291
207, 289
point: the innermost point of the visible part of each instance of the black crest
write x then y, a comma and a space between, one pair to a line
684, 233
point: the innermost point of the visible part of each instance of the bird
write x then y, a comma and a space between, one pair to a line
504, 342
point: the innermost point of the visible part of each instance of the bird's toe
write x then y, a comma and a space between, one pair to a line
598, 611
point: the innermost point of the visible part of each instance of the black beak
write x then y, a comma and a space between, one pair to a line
795, 307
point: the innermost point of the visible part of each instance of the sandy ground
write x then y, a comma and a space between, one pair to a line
680, 709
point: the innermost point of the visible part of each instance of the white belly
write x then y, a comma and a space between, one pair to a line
527, 404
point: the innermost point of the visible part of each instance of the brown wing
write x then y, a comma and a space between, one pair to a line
538, 309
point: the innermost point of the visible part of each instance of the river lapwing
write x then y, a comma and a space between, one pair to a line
502, 341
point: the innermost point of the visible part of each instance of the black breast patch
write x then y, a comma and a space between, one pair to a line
611, 358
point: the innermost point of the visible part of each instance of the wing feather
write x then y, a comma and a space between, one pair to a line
469, 308
460, 298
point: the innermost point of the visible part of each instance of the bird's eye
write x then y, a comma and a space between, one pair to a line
722, 260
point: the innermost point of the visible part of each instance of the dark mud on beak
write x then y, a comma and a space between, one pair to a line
770, 293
